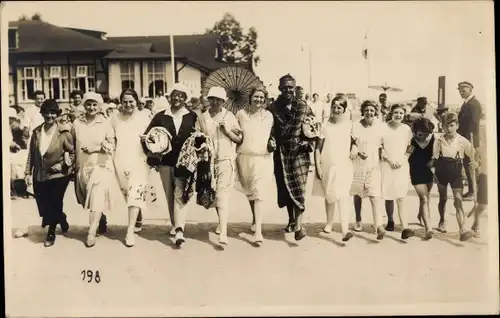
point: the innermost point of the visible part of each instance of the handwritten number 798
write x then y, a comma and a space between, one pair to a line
91, 276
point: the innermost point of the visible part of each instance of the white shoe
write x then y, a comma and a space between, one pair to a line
328, 228
217, 230
223, 239
130, 239
172, 231
179, 238
252, 228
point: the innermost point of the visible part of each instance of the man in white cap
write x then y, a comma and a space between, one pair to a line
180, 124
468, 125
224, 130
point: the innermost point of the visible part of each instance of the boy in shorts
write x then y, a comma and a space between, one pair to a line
447, 159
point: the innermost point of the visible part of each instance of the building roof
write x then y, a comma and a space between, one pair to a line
199, 50
39, 37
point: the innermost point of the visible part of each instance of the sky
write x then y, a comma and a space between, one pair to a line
410, 44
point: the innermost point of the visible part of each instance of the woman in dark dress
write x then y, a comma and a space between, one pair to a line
421, 174
49, 167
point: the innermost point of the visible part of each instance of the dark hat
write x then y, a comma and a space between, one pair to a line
50, 105
421, 98
383, 95
465, 84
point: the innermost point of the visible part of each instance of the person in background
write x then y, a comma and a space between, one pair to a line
384, 107
440, 113
366, 182
349, 107
49, 168
76, 108
18, 152
482, 184
141, 108
180, 124
292, 157
194, 104
421, 175
224, 130
423, 109
326, 107
299, 93
334, 167
396, 141
161, 103
469, 118
150, 104
111, 110
94, 139
254, 161
447, 159
33, 118
308, 100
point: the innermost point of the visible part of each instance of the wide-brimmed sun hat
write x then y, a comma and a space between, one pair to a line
92, 96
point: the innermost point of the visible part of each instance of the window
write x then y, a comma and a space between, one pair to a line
29, 80
13, 39
127, 75
56, 82
156, 77
83, 78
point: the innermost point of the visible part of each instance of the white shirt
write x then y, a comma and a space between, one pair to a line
33, 118
46, 138
177, 117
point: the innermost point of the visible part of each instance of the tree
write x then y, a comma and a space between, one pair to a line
23, 18
37, 16
236, 46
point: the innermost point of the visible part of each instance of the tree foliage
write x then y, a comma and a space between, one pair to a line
35, 17
236, 45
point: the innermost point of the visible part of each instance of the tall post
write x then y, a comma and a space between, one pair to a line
310, 72
172, 58
441, 92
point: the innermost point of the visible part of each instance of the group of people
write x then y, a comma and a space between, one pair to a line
210, 148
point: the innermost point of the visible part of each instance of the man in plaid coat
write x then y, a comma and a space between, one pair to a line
292, 155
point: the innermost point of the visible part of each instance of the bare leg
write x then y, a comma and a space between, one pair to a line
133, 212
457, 203
94, 217
478, 210
443, 197
423, 195
402, 212
377, 218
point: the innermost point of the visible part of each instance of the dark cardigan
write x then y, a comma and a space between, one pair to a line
178, 139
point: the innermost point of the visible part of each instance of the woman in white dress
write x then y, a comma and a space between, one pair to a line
94, 140
395, 168
334, 167
367, 134
131, 167
254, 162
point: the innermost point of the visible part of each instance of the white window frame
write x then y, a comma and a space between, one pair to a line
151, 77
22, 78
127, 72
56, 72
90, 77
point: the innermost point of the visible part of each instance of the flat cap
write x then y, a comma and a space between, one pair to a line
465, 84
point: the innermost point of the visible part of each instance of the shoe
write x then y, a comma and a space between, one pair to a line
138, 227
347, 237
217, 230
64, 226
407, 233
252, 228
91, 238
289, 228
328, 228
258, 238
390, 226
103, 227
223, 239
465, 236
130, 240
429, 234
442, 227
380, 233
179, 238
300, 234
172, 231
50, 240
358, 227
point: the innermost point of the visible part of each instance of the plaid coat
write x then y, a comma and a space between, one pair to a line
292, 156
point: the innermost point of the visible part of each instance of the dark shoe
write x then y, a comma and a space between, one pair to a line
347, 237
390, 226
64, 226
289, 228
103, 227
407, 233
50, 240
138, 227
179, 238
469, 196
300, 234
466, 236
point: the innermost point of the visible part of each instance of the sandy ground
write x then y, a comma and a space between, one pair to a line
319, 275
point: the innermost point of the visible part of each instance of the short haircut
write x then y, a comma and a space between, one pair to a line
368, 103
383, 95
450, 118
396, 106
130, 92
76, 92
258, 89
39, 92
285, 78
422, 124
339, 100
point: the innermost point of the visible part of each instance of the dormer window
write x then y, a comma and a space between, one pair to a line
13, 39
